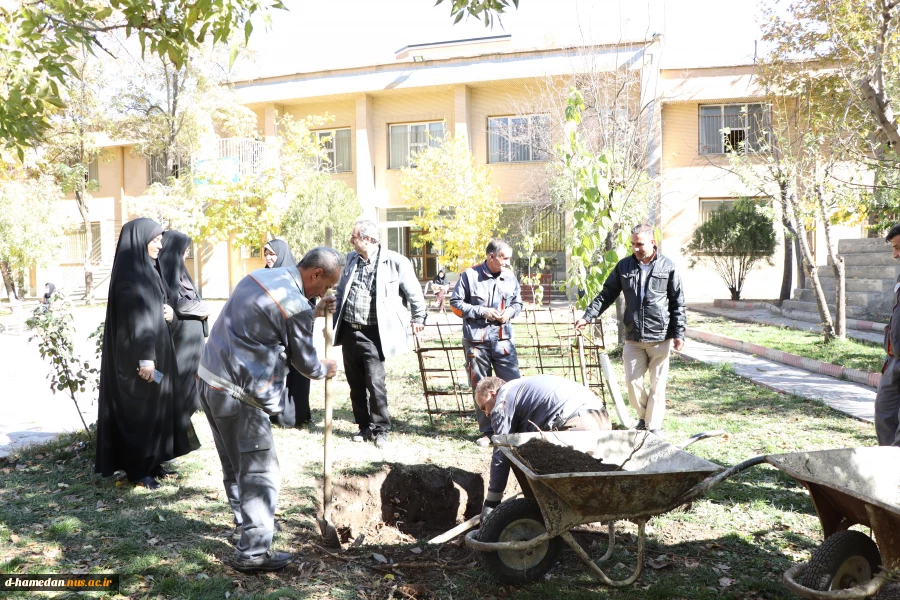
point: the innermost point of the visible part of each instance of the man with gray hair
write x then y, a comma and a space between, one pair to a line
369, 324
266, 323
654, 317
487, 296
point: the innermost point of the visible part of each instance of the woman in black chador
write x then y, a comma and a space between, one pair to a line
189, 327
136, 423
295, 403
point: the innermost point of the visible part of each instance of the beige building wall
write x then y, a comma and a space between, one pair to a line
687, 178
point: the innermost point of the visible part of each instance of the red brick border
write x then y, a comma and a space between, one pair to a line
786, 358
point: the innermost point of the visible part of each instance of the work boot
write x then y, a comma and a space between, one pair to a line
270, 561
640, 425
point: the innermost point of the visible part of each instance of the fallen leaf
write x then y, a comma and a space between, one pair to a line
202, 576
725, 581
153, 541
62, 485
380, 558
691, 563
100, 504
388, 577
416, 550
160, 518
659, 564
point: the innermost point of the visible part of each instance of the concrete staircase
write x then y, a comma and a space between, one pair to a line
73, 286
870, 274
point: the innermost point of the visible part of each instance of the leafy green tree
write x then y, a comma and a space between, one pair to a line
458, 207
321, 202
484, 10
603, 206
54, 330
30, 232
732, 242
37, 36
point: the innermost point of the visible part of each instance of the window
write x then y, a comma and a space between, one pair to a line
93, 172
73, 247
336, 143
251, 252
409, 140
708, 207
156, 169
518, 139
733, 128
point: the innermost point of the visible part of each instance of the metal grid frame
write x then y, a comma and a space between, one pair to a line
546, 343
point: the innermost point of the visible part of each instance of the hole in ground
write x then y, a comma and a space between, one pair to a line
416, 500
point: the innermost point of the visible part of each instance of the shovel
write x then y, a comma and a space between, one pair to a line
325, 525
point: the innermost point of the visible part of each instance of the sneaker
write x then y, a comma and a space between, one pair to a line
484, 441
640, 425
381, 441
270, 561
364, 435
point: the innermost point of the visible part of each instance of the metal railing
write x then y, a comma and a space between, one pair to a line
252, 156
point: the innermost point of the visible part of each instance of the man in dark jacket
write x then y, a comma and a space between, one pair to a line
887, 400
654, 315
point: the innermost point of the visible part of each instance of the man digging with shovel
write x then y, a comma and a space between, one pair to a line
267, 321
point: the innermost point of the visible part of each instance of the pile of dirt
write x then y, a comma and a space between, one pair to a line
546, 458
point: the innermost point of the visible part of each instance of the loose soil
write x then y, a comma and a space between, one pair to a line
546, 458
414, 501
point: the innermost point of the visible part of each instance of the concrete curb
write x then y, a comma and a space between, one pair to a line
857, 324
786, 358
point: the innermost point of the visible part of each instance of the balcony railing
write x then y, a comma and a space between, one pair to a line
250, 157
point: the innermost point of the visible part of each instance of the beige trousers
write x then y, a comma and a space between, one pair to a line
639, 358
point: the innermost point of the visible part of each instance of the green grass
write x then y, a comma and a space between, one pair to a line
848, 353
172, 543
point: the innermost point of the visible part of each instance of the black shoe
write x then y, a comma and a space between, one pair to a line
381, 440
364, 435
161, 471
147, 482
270, 561
640, 425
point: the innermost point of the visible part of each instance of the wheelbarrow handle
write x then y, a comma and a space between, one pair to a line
702, 487
703, 435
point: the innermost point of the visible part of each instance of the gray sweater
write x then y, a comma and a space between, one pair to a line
539, 399
266, 322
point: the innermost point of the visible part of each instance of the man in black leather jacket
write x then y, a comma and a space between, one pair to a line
654, 322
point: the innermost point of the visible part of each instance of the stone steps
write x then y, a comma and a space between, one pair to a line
864, 246
856, 312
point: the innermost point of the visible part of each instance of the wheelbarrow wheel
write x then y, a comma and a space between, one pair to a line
845, 560
518, 520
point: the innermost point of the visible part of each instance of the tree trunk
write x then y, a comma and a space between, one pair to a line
837, 266
88, 247
787, 273
9, 283
809, 264
801, 272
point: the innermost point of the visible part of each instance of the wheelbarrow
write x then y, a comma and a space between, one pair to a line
520, 540
848, 486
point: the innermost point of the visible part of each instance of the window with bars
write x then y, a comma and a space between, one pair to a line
156, 169
518, 139
410, 139
336, 143
710, 206
733, 128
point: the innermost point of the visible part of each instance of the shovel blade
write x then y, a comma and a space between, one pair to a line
329, 533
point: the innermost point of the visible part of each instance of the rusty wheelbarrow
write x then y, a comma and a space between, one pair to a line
520, 540
848, 486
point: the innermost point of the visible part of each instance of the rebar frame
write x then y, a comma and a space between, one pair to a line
546, 343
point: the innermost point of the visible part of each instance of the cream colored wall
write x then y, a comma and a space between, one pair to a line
398, 109
687, 178
344, 114
499, 101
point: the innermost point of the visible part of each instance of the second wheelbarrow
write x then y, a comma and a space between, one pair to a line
520, 539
